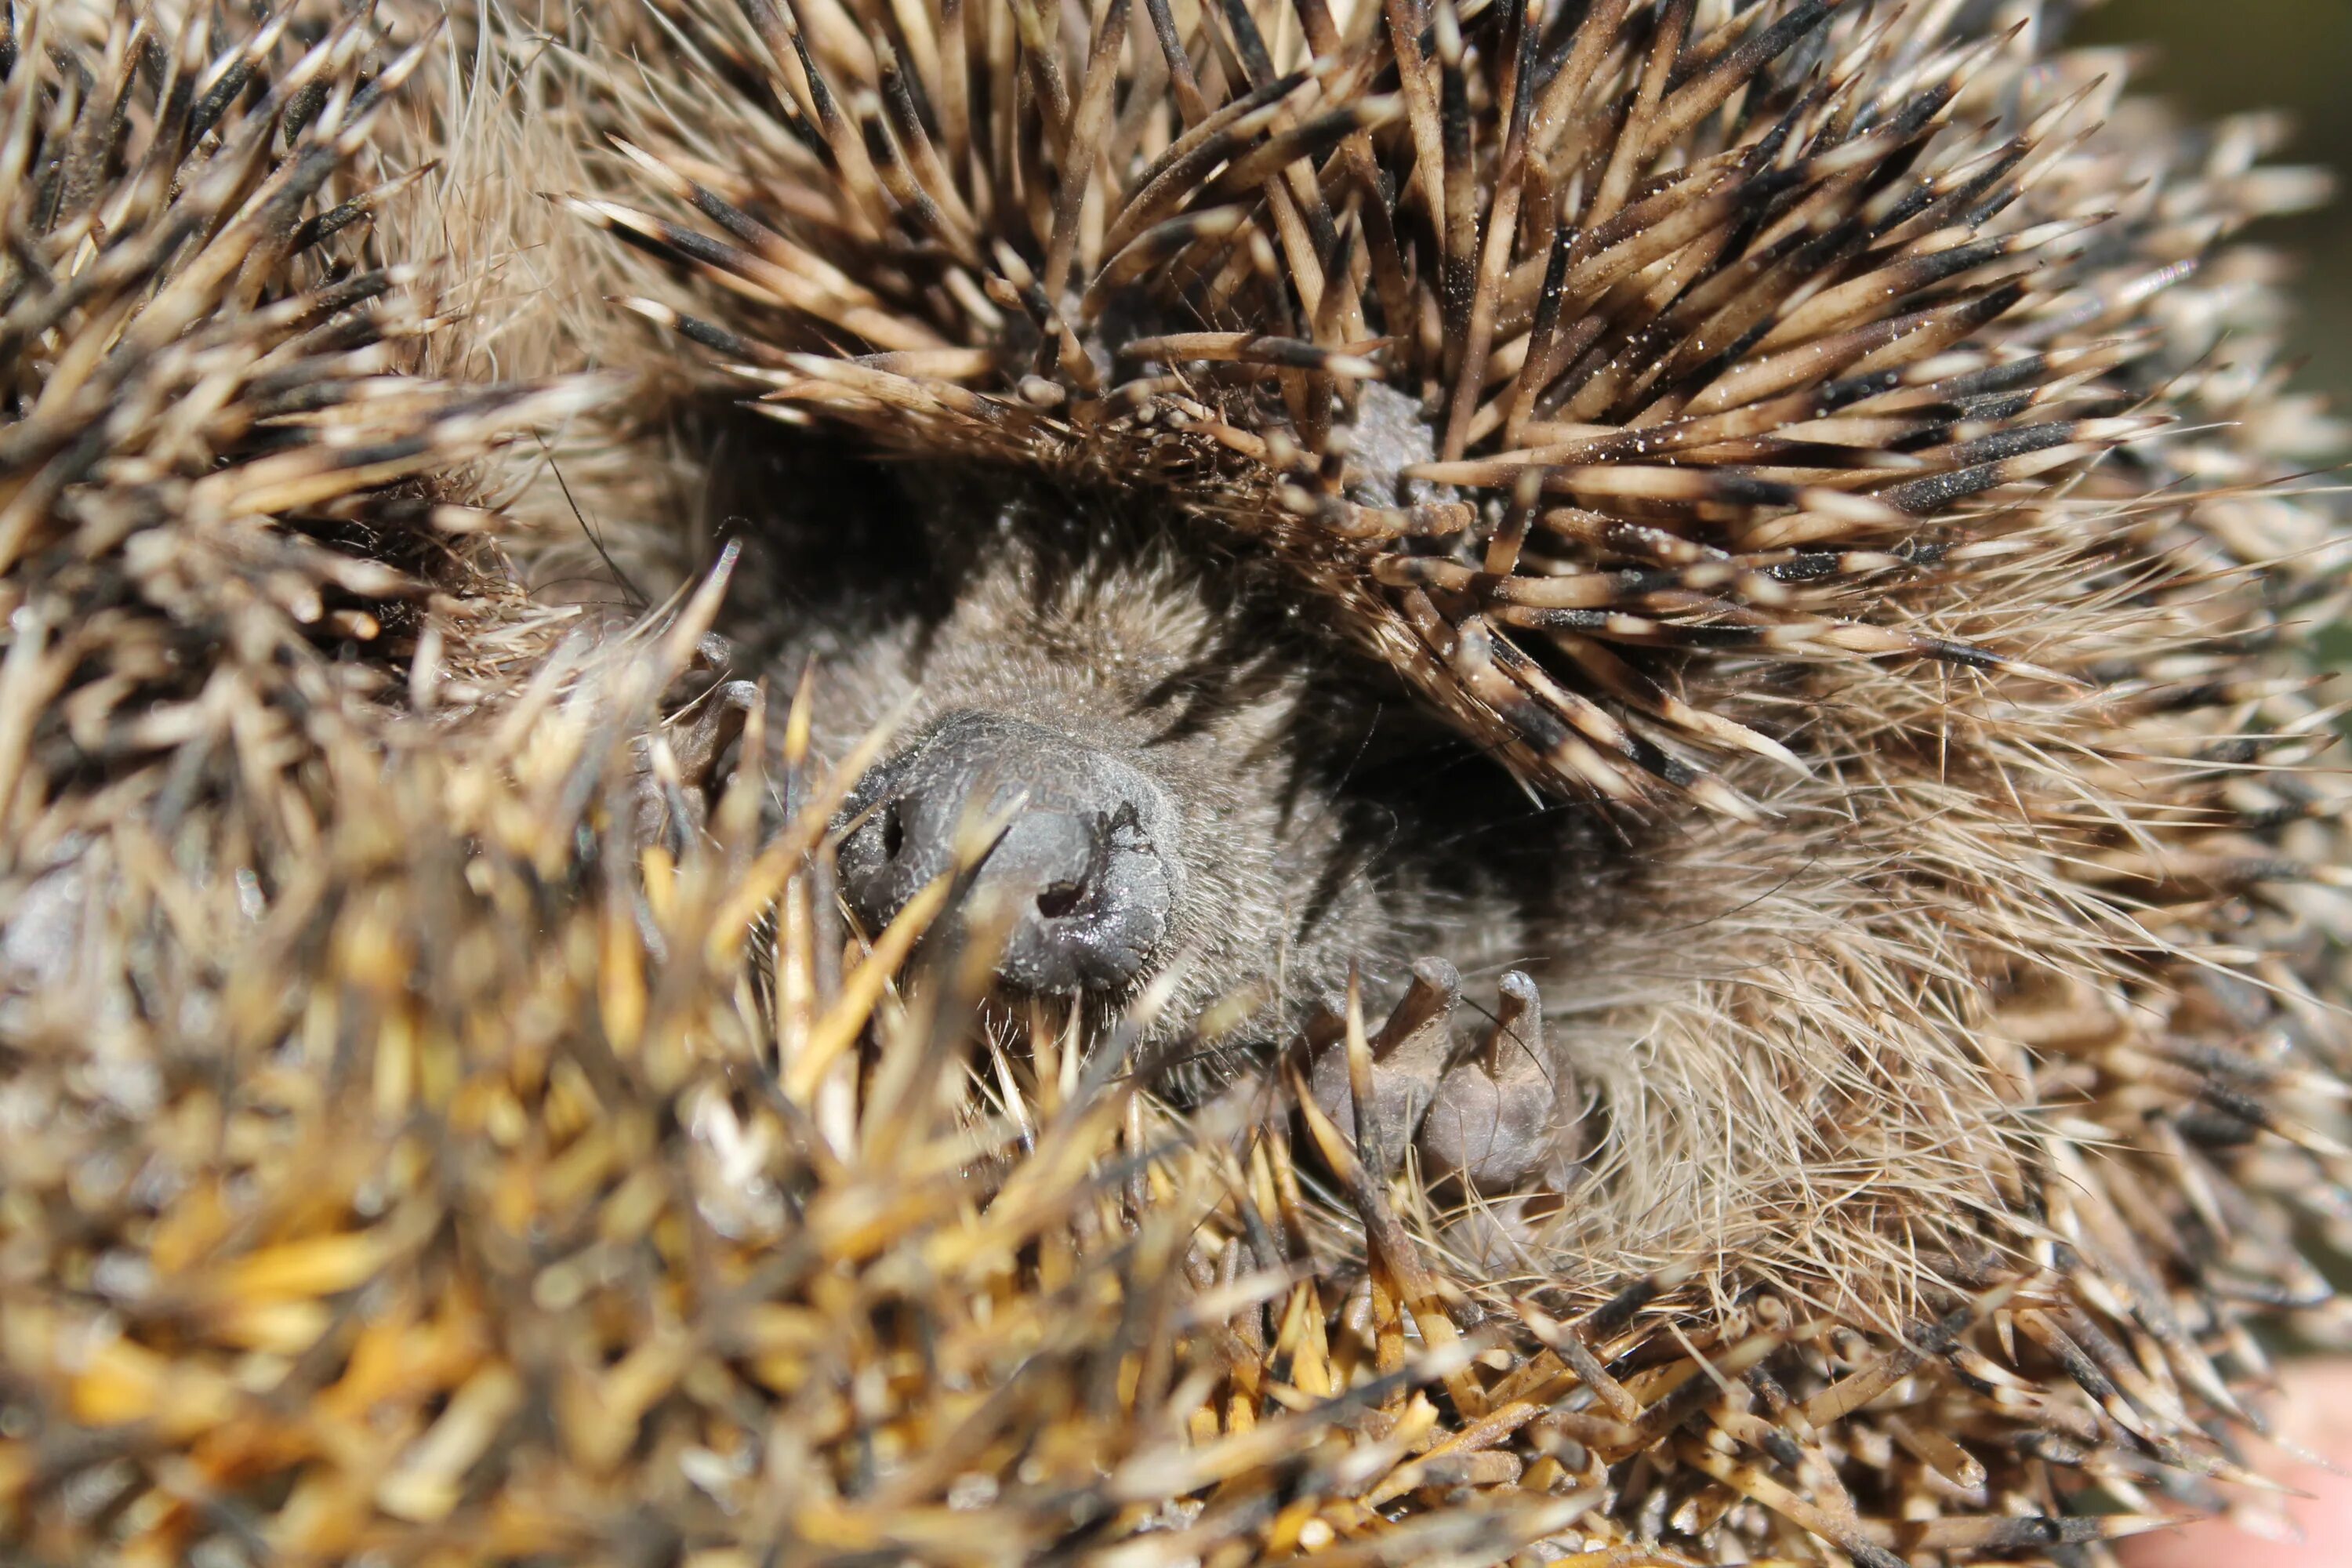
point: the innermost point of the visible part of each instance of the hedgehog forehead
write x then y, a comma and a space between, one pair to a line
1114, 611
1086, 620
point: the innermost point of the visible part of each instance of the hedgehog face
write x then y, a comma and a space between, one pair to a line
1205, 785
1216, 795
1192, 788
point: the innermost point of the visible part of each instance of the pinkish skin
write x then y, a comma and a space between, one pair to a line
2316, 1416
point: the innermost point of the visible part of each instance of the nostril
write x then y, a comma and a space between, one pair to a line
889, 849
1060, 900
1102, 899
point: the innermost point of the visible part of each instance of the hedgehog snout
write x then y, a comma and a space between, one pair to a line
1086, 870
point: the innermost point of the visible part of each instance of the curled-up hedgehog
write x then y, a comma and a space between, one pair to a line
959, 780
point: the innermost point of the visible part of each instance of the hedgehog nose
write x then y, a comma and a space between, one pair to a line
1087, 868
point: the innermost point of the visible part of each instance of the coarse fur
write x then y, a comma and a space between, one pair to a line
1907, 801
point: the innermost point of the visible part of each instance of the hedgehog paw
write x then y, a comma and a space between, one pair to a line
1409, 1057
682, 771
1485, 1118
1493, 1121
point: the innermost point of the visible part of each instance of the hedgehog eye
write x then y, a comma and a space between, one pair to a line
832, 544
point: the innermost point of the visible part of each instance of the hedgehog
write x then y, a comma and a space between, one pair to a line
959, 782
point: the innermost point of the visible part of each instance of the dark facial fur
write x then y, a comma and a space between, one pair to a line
1309, 818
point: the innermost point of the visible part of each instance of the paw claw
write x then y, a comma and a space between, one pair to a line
682, 770
1427, 1007
713, 729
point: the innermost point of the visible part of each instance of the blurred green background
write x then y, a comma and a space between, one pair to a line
2215, 56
